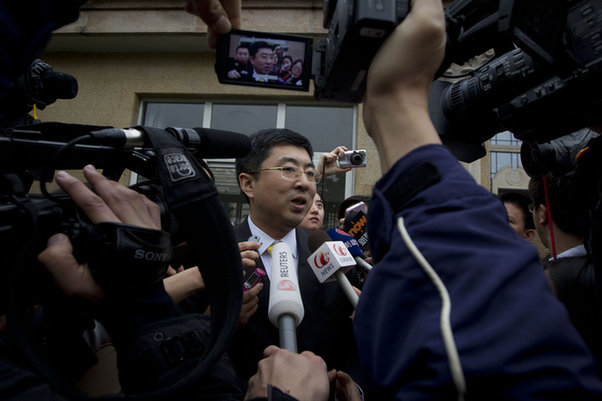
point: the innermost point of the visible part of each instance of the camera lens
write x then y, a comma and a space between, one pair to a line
356, 158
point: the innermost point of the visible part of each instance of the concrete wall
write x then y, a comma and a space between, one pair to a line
125, 51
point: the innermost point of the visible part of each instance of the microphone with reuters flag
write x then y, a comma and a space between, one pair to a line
285, 308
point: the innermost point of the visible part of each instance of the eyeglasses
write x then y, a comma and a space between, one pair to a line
293, 173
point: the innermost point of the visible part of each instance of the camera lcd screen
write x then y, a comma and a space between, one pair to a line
264, 59
539, 24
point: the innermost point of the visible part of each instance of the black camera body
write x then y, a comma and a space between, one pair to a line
548, 87
356, 30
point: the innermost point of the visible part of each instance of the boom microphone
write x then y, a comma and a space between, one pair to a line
330, 259
352, 246
208, 143
285, 308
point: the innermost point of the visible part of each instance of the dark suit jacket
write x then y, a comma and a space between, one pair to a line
326, 328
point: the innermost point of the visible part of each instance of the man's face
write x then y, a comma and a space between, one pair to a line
242, 55
277, 204
263, 60
515, 218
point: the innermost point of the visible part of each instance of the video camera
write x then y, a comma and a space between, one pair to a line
177, 179
547, 87
34, 151
542, 82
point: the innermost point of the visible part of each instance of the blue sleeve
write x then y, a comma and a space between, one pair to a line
514, 339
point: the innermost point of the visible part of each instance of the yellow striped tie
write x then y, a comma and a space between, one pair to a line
269, 250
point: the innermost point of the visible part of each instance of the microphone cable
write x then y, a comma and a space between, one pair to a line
451, 350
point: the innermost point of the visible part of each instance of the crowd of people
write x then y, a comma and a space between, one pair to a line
457, 306
261, 61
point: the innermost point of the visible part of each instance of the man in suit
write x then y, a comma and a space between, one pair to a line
279, 180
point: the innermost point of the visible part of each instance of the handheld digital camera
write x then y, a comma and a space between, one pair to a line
352, 159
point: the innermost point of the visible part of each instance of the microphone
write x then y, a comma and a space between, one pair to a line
285, 308
356, 224
352, 246
330, 260
208, 143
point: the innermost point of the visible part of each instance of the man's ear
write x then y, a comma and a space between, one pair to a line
247, 183
529, 234
541, 214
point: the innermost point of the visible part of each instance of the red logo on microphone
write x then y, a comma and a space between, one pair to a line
321, 260
340, 249
286, 285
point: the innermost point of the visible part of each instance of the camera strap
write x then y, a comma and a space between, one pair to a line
192, 197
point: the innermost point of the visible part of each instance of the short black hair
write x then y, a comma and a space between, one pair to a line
260, 44
262, 143
564, 208
522, 202
350, 201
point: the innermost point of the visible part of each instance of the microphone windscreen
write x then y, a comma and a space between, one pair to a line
356, 223
218, 144
285, 296
316, 239
349, 219
351, 243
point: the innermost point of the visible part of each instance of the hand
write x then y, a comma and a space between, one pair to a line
346, 389
112, 202
399, 79
219, 15
330, 159
302, 376
248, 253
250, 302
172, 272
233, 74
184, 284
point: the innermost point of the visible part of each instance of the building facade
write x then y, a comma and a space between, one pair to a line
147, 62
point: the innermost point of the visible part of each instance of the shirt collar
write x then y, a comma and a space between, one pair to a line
578, 250
265, 77
265, 240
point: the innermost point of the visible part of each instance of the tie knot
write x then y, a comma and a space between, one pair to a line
269, 249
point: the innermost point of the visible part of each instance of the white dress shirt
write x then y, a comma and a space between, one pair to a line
265, 240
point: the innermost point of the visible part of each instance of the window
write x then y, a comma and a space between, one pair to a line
504, 151
505, 138
161, 115
326, 128
243, 118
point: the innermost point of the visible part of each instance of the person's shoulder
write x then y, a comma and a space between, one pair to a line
570, 269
